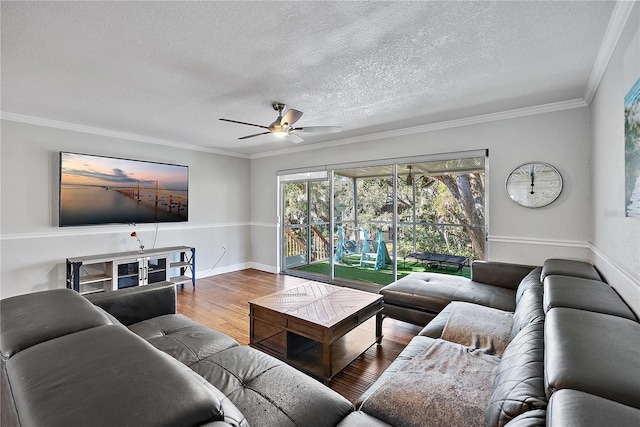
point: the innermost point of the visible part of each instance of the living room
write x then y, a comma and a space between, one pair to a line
234, 195
512, 82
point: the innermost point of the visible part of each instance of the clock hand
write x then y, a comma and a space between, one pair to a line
532, 192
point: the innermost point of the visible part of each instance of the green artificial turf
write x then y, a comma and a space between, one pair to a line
381, 277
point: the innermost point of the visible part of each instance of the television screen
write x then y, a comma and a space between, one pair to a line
105, 190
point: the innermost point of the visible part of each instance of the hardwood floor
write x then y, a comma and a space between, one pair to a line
221, 302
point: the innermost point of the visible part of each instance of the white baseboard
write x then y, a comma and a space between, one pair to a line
264, 267
625, 282
236, 267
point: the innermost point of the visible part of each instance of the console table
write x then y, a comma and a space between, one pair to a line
108, 272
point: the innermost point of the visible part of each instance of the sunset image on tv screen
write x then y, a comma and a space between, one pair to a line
102, 190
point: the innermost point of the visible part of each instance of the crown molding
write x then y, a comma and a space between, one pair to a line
619, 17
38, 121
467, 121
430, 127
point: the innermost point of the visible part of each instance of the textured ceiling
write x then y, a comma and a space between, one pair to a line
169, 70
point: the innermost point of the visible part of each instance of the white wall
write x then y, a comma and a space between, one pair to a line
33, 247
615, 238
516, 234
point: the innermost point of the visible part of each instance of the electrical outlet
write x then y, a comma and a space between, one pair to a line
224, 247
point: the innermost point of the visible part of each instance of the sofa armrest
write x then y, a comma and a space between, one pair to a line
502, 274
133, 305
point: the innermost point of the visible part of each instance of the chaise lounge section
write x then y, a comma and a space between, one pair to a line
419, 297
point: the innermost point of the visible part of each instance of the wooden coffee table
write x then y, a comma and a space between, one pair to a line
315, 327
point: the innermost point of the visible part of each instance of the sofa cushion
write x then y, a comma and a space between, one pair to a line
479, 327
529, 309
433, 291
576, 408
108, 376
566, 267
271, 393
182, 338
593, 352
415, 347
472, 325
519, 383
445, 385
585, 294
34, 318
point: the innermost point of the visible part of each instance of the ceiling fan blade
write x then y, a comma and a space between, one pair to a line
294, 138
291, 117
244, 123
319, 129
255, 134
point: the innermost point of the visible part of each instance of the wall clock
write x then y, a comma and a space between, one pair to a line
534, 185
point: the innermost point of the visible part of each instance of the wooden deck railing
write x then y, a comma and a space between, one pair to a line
320, 247
292, 245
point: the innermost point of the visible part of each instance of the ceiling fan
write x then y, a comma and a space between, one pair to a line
283, 125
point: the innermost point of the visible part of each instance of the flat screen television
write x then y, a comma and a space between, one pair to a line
107, 190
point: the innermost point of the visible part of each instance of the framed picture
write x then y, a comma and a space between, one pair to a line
632, 150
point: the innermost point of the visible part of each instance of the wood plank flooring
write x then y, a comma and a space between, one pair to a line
221, 302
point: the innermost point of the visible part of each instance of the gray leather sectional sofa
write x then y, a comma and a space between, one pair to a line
566, 354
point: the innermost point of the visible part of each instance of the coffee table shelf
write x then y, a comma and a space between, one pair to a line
345, 350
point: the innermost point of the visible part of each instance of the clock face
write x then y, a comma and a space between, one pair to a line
534, 185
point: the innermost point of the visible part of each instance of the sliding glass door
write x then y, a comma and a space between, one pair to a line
388, 220
305, 226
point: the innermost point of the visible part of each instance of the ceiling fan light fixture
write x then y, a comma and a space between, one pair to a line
282, 127
279, 130
409, 177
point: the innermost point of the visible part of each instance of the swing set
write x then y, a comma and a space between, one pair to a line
376, 258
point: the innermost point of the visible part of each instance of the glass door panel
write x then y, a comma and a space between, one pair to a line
446, 218
363, 200
296, 224
306, 244
157, 270
345, 233
128, 274
320, 247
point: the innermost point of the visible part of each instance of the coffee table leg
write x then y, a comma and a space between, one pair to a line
327, 361
379, 328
